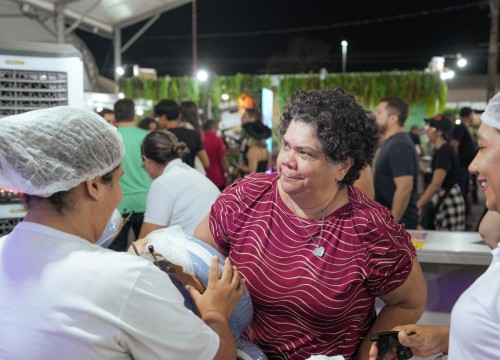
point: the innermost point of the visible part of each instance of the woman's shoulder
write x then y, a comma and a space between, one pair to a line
366, 212
252, 185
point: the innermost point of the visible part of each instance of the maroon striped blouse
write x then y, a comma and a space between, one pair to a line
305, 305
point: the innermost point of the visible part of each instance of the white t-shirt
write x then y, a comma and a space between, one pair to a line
62, 297
180, 196
475, 318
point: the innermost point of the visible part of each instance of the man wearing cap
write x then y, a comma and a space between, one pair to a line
464, 145
396, 167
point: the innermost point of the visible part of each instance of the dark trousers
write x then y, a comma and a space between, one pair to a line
135, 221
464, 181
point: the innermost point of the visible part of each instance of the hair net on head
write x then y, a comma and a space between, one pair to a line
46, 151
491, 115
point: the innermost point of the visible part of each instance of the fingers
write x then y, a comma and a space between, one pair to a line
373, 351
231, 275
195, 294
213, 275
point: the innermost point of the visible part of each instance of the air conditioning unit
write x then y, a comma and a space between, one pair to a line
35, 76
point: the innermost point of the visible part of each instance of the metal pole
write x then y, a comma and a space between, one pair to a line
344, 55
60, 21
117, 45
493, 50
195, 38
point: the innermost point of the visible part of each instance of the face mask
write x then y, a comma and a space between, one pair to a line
111, 230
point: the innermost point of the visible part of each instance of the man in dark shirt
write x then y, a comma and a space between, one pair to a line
396, 166
464, 145
167, 111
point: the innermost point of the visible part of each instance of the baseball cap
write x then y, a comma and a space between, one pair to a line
440, 122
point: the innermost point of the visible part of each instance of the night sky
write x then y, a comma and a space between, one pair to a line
265, 36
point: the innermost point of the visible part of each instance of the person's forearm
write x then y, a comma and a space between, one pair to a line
227, 346
389, 317
427, 195
400, 203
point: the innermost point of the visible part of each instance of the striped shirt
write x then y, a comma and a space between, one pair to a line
303, 304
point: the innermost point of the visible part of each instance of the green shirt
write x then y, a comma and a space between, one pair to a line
135, 181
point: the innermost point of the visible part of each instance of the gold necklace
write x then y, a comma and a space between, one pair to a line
318, 250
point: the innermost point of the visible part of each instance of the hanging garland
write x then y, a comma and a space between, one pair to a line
416, 87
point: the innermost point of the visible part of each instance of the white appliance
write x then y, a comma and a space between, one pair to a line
35, 76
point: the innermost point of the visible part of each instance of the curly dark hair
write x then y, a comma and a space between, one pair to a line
343, 127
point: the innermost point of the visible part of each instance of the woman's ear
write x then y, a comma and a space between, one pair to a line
344, 168
92, 187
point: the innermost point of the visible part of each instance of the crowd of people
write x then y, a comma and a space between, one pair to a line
314, 242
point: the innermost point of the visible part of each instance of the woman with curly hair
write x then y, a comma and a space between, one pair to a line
315, 251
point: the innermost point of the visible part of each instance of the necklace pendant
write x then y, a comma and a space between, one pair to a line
319, 251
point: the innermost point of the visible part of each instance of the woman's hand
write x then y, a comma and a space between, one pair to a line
221, 295
426, 340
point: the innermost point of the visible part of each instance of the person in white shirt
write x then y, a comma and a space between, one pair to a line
475, 318
62, 296
179, 195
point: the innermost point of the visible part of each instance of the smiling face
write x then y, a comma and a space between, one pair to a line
302, 165
485, 165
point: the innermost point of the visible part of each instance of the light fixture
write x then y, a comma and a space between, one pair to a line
225, 97
202, 75
344, 55
461, 61
120, 70
447, 74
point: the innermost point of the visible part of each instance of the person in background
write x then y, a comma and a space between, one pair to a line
475, 318
415, 133
63, 297
108, 115
189, 116
148, 124
179, 195
396, 167
250, 116
255, 156
464, 145
168, 112
310, 245
190, 119
216, 150
443, 190
135, 182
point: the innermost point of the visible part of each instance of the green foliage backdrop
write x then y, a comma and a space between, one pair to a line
416, 87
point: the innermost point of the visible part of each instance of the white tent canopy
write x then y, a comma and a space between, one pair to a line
55, 20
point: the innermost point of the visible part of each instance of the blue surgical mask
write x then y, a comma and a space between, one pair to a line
111, 230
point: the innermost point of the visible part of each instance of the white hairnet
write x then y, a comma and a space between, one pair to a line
46, 151
491, 115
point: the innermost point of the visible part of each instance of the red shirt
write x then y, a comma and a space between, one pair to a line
303, 304
214, 146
